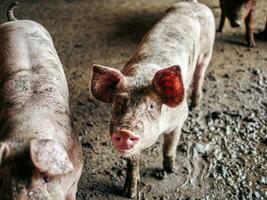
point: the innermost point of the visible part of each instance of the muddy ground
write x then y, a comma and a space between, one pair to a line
223, 149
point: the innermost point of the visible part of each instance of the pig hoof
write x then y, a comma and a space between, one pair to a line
130, 189
129, 192
251, 44
195, 100
194, 104
250, 41
160, 174
169, 164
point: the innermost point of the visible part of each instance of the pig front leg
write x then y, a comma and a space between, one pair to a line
171, 140
132, 176
222, 20
249, 29
169, 150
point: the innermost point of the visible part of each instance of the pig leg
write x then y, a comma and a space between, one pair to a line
202, 64
222, 20
169, 150
249, 29
132, 176
171, 140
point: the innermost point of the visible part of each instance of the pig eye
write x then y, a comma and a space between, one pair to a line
151, 106
46, 178
120, 104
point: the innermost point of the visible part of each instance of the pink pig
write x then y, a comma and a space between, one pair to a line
40, 153
149, 93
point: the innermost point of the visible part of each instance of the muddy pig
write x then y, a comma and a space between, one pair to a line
40, 154
237, 11
149, 93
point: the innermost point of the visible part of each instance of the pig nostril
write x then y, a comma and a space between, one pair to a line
134, 139
118, 139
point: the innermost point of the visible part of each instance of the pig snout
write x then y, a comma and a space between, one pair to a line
236, 23
124, 140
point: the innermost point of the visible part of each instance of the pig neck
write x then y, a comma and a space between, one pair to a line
37, 122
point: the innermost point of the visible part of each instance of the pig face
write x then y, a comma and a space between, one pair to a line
137, 104
236, 10
35, 171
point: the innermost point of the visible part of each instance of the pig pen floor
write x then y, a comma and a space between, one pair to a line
222, 152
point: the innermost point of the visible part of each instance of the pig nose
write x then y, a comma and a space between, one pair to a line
124, 140
236, 24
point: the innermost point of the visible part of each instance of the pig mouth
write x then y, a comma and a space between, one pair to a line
39, 194
126, 152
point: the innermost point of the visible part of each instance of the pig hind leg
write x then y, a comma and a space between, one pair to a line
199, 75
132, 176
249, 21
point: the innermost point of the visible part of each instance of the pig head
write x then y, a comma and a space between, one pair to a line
237, 12
34, 170
139, 104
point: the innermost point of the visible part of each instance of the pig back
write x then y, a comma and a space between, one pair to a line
185, 31
33, 88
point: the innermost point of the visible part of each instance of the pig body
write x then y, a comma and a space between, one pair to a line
40, 154
238, 11
149, 93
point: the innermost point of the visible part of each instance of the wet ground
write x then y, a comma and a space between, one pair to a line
223, 149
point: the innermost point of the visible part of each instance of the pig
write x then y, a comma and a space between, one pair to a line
237, 11
149, 93
40, 152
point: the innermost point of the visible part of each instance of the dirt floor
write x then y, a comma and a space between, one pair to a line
223, 149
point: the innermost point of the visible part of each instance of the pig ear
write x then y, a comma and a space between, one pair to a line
104, 82
168, 84
4, 151
50, 157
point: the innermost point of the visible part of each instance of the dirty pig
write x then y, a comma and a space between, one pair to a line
40, 154
238, 11
149, 93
